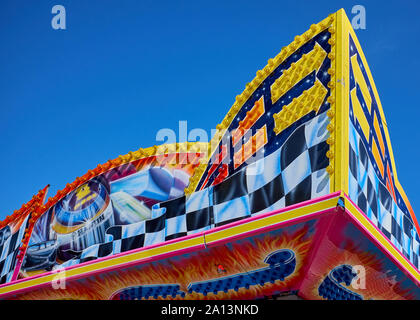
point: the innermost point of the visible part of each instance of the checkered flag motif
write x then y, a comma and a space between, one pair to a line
293, 173
9, 248
122, 238
374, 199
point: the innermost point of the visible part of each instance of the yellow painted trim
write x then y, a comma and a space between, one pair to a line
331, 113
378, 134
121, 261
249, 90
271, 220
382, 240
341, 181
349, 30
377, 156
106, 264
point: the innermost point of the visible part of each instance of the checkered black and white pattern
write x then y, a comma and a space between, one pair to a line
9, 248
374, 199
294, 173
121, 239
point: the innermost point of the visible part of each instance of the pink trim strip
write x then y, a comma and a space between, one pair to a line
269, 228
229, 239
271, 213
177, 252
16, 271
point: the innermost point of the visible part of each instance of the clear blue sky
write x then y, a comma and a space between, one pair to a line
122, 70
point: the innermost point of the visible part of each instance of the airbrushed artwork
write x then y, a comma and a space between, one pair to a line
295, 197
82, 220
11, 237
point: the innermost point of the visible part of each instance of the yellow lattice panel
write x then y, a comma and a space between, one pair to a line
309, 100
297, 71
360, 79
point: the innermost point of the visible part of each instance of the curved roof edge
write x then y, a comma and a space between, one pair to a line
142, 153
250, 87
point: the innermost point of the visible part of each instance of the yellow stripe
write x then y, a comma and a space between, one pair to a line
113, 262
359, 114
360, 79
382, 239
274, 219
310, 100
341, 107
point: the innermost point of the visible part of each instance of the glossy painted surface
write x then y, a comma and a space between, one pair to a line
321, 256
290, 200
